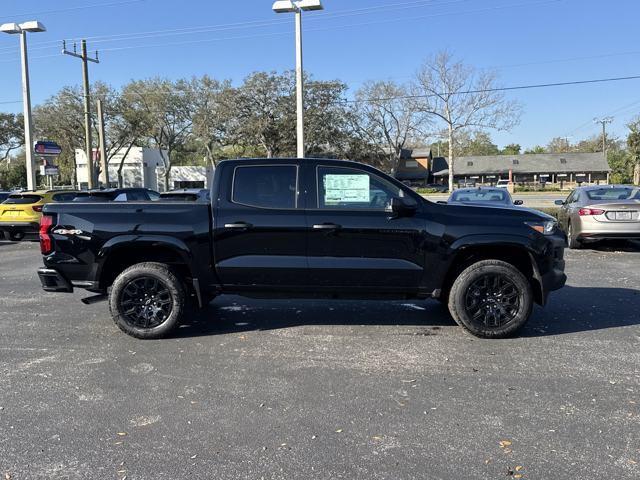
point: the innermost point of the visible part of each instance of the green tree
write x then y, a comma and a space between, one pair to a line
163, 109
536, 149
11, 134
511, 149
633, 144
265, 112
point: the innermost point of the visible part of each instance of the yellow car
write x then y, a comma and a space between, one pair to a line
20, 213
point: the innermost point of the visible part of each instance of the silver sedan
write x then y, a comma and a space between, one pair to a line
599, 213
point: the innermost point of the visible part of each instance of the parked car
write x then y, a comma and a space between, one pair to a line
117, 195
3, 197
599, 213
306, 227
502, 183
20, 212
483, 196
187, 195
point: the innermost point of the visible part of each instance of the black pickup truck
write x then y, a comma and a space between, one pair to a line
303, 228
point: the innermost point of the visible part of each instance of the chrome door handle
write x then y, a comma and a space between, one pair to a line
326, 226
238, 226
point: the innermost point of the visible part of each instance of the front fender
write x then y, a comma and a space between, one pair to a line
533, 246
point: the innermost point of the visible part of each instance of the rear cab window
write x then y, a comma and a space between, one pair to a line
22, 199
266, 186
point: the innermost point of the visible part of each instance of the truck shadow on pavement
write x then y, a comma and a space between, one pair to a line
570, 310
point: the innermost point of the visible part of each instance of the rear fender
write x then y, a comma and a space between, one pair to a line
121, 243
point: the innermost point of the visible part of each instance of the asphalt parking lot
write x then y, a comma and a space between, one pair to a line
323, 389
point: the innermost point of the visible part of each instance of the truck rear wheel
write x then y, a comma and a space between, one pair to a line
147, 300
491, 299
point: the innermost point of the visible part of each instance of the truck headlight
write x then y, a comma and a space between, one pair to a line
544, 227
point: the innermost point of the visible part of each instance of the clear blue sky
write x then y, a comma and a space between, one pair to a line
528, 41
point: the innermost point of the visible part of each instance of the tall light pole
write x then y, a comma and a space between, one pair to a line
297, 7
22, 29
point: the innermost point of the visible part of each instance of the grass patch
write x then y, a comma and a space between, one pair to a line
553, 211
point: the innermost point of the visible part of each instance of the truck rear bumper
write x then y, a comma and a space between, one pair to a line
53, 281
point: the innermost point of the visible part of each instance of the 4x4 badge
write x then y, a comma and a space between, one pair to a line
62, 231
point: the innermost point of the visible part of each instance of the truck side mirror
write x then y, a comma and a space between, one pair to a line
403, 206
559, 202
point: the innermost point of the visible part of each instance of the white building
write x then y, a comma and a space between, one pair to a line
143, 167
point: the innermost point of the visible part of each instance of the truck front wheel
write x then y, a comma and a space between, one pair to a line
491, 299
147, 300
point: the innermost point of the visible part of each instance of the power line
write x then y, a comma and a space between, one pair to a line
320, 17
70, 9
247, 24
498, 89
378, 22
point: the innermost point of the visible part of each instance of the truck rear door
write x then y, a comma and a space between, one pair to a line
260, 227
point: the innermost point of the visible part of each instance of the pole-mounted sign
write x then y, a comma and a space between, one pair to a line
46, 148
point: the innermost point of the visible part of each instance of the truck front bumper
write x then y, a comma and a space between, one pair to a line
53, 281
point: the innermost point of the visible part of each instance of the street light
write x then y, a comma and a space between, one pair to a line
22, 29
288, 6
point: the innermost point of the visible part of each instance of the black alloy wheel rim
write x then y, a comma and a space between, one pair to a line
492, 300
146, 302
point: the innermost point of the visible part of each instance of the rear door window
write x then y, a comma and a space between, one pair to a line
23, 199
272, 186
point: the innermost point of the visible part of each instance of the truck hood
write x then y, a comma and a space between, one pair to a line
496, 210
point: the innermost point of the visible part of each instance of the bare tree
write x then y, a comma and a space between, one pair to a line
462, 97
388, 118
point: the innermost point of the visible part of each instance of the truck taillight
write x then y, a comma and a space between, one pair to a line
37, 208
46, 243
586, 212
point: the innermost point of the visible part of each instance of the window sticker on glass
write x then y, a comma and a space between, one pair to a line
346, 189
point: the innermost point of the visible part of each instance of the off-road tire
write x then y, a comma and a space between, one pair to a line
173, 292
462, 286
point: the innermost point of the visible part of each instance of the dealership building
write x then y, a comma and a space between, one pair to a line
564, 169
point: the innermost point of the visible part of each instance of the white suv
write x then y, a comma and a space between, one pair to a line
502, 184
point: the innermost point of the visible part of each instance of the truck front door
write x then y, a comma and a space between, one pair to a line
355, 241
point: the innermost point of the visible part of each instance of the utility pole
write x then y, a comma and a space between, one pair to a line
104, 166
87, 104
604, 122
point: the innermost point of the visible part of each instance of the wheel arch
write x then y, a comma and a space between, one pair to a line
516, 252
119, 253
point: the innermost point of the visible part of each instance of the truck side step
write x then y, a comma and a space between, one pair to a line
94, 299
